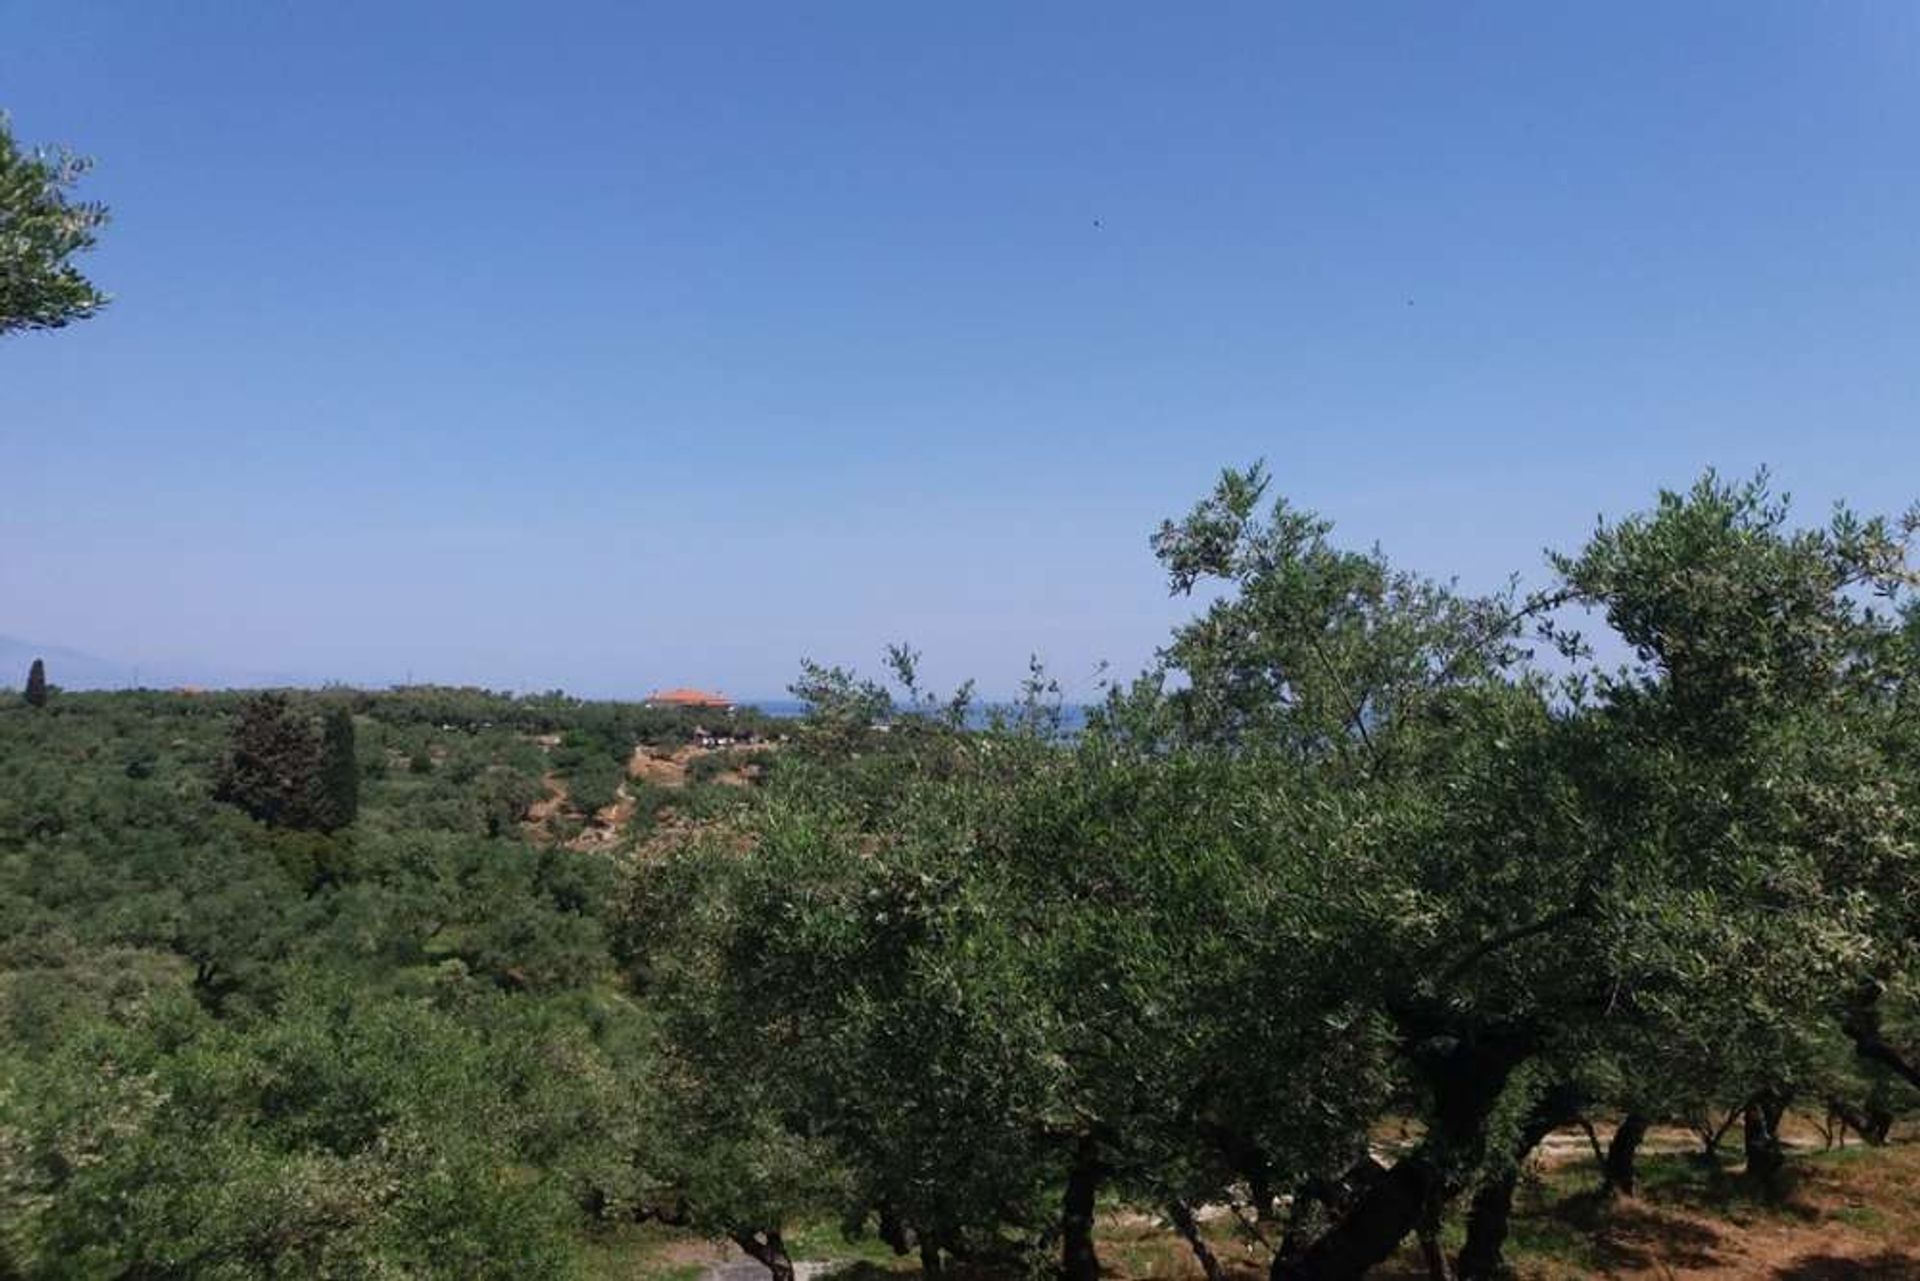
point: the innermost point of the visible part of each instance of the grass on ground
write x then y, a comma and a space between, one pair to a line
1842, 1214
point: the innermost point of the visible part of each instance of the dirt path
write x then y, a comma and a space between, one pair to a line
552, 803
608, 825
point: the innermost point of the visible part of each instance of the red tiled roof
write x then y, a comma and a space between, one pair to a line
690, 698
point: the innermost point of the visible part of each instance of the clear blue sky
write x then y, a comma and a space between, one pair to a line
611, 345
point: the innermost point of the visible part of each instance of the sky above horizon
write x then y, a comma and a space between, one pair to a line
618, 346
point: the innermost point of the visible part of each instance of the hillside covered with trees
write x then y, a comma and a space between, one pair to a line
1329, 920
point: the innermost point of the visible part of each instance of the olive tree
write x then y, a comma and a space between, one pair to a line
1554, 858
1349, 850
996, 974
42, 228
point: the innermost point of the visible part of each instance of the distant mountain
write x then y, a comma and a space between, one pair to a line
66, 668
74, 669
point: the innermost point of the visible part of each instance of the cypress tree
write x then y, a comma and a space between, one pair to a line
339, 781
285, 773
37, 684
273, 768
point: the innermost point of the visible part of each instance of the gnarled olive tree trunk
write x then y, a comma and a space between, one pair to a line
1871, 1120
1483, 1256
1466, 1073
1760, 1126
770, 1249
1078, 1260
1188, 1227
1861, 1021
1623, 1151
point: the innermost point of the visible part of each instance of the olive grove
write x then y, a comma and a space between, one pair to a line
1361, 846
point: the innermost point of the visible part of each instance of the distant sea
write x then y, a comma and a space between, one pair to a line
783, 707
1073, 716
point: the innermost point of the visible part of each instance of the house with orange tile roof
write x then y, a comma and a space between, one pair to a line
683, 697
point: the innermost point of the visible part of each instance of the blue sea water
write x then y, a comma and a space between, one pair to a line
1073, 716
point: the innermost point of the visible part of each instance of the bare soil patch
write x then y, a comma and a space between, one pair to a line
662, 769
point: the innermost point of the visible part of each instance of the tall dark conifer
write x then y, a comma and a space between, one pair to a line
284, 771
37, 684
339, 781
273, 768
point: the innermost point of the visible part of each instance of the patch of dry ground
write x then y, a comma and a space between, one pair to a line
1846, 1215
647, 765
669, 769
554, 802
608, 825
1851, 1214
662, 769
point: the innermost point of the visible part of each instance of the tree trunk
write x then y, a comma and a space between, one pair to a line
1760, 1126
1431, 1250
769, 1249
1078, 1260
893, 1232
1862, 1023
1484, 1253
1593, 1141
1371, 1230
1260, 1188
1710, 1137
1248, 1160
1466, 1074
1189, 1229
1293, 1237
1483, 1256
1879, 1123
1622, 1152
1871, 1121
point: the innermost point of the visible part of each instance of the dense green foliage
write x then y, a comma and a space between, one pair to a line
228, 1047
36, 691
288, 773
1351, 852
41, 229
338, 770
443, 982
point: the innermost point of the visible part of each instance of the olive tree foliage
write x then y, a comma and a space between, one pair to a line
42, 228
1767, 741
1409, 711
986, 977
229, 1049
788, 975
1716, 831
1349, 850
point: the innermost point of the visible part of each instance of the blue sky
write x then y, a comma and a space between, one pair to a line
609, 346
